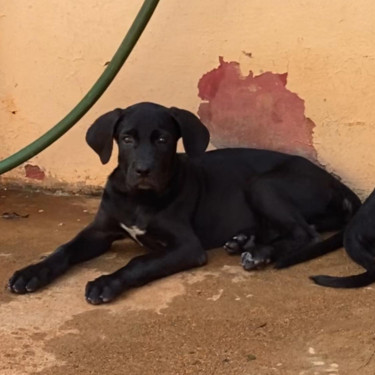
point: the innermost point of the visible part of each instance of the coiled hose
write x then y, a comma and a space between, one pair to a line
92, 95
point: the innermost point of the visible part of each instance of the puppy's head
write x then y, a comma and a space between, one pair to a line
147, 134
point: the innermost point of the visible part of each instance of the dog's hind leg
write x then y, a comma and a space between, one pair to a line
328, 223
281, 227
335, 220
280, 214
263, 254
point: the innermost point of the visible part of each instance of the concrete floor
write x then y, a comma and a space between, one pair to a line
215, 320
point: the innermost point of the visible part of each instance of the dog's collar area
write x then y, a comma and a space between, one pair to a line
133, 231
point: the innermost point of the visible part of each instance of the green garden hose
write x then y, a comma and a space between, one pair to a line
91, 97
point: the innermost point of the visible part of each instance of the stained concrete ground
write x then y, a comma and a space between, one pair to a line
218, 319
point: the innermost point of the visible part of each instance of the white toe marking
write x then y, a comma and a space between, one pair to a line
133, 231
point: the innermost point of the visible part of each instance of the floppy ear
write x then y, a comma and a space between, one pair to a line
99, 136
195, 135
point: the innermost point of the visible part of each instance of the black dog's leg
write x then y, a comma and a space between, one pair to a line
331, 222
290, 229
315, 248
278, 211
328, 223
93, 241
145, 268
261, 255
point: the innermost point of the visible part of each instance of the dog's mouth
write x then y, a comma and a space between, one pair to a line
150, 183
145, 184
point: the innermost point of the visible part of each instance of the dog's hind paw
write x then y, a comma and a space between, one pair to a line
239, 243
257, 258
250, 262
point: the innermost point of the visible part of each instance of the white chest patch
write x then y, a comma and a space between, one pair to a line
133, 231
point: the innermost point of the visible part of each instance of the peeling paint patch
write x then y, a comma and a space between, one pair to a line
33, 171
254, 111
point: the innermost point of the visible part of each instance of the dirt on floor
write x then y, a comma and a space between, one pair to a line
218, 319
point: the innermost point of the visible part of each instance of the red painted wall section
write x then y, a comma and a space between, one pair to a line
33, 171
254, 111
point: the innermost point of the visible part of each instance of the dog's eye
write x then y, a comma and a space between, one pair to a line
161, 140
128, 139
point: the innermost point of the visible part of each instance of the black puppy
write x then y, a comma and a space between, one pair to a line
359, 243
179, 205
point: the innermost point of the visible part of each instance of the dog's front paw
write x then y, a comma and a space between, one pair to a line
104, 289
30, 279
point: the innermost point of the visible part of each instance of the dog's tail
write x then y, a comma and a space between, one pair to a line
313, 251
354, 281
359, 248
324, 247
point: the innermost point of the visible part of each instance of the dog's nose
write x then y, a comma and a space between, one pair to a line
142, 171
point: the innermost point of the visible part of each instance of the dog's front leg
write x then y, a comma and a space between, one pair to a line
185, 254
91, 242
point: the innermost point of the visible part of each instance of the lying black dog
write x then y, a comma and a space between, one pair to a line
359, 243
179, 205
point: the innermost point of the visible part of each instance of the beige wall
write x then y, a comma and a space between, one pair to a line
52, 51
